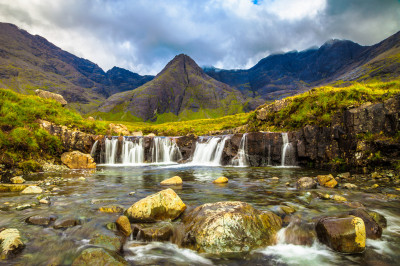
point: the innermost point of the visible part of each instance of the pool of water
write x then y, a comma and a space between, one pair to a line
81, 198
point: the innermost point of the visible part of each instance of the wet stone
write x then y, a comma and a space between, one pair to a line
372, 228
112, 209
306, 183
66, 223
173, 181
124, 225
158, 232
98, 256
109, 242
40, 220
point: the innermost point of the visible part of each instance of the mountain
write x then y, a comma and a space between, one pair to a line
281, 75
181, 91
29, 62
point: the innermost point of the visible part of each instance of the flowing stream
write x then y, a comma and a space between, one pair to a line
83, 192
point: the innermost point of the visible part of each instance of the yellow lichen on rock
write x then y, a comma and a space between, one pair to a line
360, 231
173, 181
221, 180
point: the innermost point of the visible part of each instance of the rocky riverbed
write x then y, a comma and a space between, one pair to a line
132, 215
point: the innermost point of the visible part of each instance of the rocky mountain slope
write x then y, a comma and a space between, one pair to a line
29, 62
281, 75
180, 91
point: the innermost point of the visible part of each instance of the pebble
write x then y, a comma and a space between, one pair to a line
23, 207
375, 186
44, 201
132, 193
82, 178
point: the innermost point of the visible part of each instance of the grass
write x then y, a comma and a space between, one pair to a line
319, 105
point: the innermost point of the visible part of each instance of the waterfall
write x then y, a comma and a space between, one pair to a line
209, 152
165, 150
111, 150
241, 157
286, 148
133, 152
93, 150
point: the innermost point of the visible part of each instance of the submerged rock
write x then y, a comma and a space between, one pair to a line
378, 218
13, 187
221, 180
327, 181
173, 181
164, 205
78, 160
112, 209
40, 220
345, 235
306, 183
10, 242
124, 225
226, 227
158, 232
299, 233
32, 190
113, 243
65, 223
98, 256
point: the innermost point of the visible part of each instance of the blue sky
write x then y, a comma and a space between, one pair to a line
143, 35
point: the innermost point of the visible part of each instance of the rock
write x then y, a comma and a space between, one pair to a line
82, 178
231, 226
32, 190
40, 220
287, 209
306, 183
164, 205
97, 201
118, 130
13, 187
375, 186
112, 227
345, 235
113, 243
349, 186
159, 232
91, 118
378, 218
112, 209
132, 193
44, 201
338, 198
372, 228
124, 225
274, 178
344, 175
98, 256
299, 233
375, 175
327, 181
151, 135
66, 223
78, 160
10, 243
23, 207
221, 180
17, 180
50, 95
173, 181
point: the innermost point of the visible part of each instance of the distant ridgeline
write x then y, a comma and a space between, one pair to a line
182, 90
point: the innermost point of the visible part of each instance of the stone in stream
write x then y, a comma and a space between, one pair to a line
110, 242
17, 180
158, 232
164, 205
349, 186
299, 233
378, 218
112, 209
32, 190
13, 187
10, 242
98, 256
78, 160
227, 227
173, 181
306, 183
372, 228
221, 180
123, 225
66, 223
40, 220
327, 181
345, 234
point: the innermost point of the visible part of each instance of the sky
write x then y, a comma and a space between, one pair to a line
144, 35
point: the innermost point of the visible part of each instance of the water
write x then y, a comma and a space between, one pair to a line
241, 159
133, 152
285, 146
209, 152
165, 150
112, 185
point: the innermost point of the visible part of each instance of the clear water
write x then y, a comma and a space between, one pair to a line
252, 185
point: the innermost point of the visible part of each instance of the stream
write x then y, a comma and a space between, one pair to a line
81, 193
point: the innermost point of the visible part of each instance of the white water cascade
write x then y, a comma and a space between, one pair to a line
93, 150
132, 152
286, 148
165, 150
111, 150
241, 157
209, 153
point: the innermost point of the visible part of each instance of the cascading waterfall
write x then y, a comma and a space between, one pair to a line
133, 152
241, 157
165, 150
111, 150
209, 152
93, 150
286, 148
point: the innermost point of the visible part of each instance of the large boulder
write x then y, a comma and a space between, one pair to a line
372, 228
98, 256
227, 227
345, 234
164, 205
78, 160
118, 129
32, 190
10, 242
50, 95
